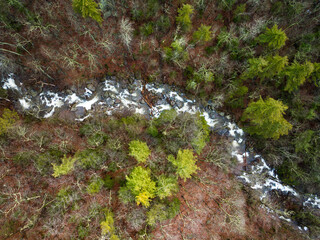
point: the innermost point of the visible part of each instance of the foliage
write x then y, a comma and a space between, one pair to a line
163, 23
316, 74
65, 168
141, 185
296, 75
303, 141
176, 135
266, 118
108, 8
227, 39
265, 68
235, 98
107, 226
7, 120
89, 158
226, 4
239, 13
95, 185
87, 8
64, 199
177, 52
147, 29
152, 130
275, 38
163, 211
185, 163
125, 195
183, 18
108, 182
203, 34
256, 67
166, 186
139, 150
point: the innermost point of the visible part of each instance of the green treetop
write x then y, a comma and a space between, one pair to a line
87, 8
266, 118
139, 150
183, 18
296, 75
203, 34
185, 163
139, 182
256, 67
275, 38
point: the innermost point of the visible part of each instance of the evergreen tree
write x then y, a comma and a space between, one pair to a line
185, 163
203, 34
87, 8
266, 118
139, 182
183, 18
256, 68
275, 65
139, 150
274, 37
177, 52
296, 74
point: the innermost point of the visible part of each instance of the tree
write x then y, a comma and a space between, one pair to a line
256, 68
139, 182
183, 18
296, 75
7, 119
266, 118
87, 8
275, 65
185, 163
166, 186
66, 166
139, 150
275, 38
177, 52
203, 34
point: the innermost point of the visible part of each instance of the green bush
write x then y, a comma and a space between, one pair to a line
147, 29
203, 34
65, 167
239, 13
7, 120
95, 185
303, 141
266, 118
166, 186
163, 24
108, 182
296, 74
90, 158
87, 8
107, 226
163, 211
125, 195
139, 150
139, 182
177, 52
185, 163
183, 18
275, 38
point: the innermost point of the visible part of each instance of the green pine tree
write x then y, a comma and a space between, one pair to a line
203, 34
296, 74
87, 8
275, 65
275, 38
266, 118
183, 18
256, 68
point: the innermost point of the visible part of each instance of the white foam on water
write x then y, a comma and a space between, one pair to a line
9, 83
210, 121
25, 103
110, 87
88, 92
73, 98
88, 104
